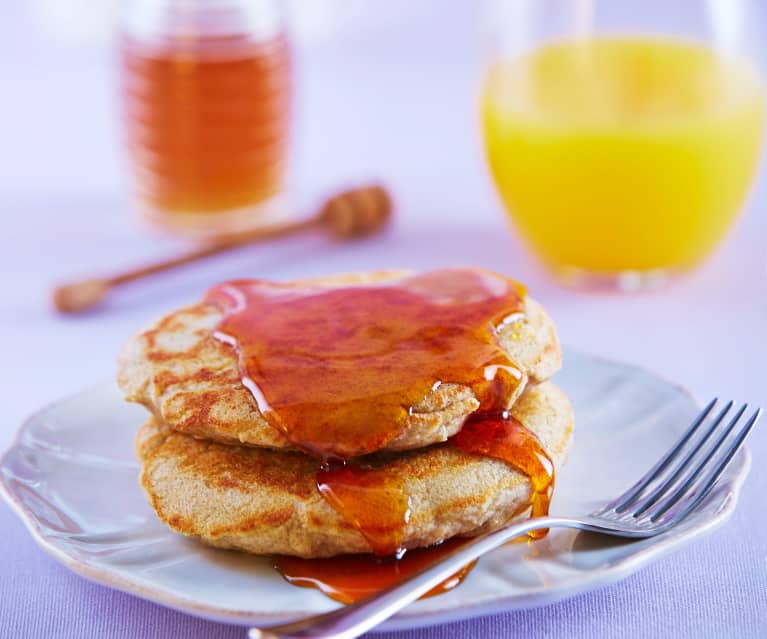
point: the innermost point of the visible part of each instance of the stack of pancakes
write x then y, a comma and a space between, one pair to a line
214, 468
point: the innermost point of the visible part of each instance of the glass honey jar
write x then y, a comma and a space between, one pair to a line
206, 90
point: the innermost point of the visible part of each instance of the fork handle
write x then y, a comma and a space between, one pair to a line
357, 618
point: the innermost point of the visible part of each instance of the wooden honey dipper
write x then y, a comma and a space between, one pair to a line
346, 216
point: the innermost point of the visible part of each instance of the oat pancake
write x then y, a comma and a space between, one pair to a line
266, 501
190, 381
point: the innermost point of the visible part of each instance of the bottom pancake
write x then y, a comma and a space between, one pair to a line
266, 501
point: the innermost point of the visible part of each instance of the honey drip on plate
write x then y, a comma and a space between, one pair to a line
339, 371
352, 577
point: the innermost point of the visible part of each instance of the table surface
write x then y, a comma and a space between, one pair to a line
406, 114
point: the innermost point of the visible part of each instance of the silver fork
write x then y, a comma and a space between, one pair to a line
664, 496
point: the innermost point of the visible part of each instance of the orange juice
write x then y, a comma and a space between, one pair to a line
623, 154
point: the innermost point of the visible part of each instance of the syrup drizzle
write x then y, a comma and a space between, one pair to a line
505, 438
375, 504
338, 371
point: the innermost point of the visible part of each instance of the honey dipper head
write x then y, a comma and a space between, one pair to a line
357, 212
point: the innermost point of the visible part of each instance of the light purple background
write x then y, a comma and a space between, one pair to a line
396, 102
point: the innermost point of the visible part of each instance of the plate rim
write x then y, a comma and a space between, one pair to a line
537, 597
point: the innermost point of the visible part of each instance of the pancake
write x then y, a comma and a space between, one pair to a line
266, 502
190, 381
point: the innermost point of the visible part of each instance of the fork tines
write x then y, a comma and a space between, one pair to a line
680, 480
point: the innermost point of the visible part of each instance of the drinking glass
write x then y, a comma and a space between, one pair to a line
622, 135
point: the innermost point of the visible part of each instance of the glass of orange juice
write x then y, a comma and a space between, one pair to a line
622, 136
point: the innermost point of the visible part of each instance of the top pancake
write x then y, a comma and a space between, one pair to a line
191, 381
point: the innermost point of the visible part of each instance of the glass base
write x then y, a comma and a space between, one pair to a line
215, 224
628, 281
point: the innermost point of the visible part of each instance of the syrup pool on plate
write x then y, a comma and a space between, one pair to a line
349, 578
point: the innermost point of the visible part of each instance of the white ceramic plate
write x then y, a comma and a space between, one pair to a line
71, 476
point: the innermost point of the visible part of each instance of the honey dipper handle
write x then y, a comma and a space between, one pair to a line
351, 214
76, 297
348, 215
219, 246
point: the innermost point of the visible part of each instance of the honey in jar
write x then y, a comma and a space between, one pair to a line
206, 92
